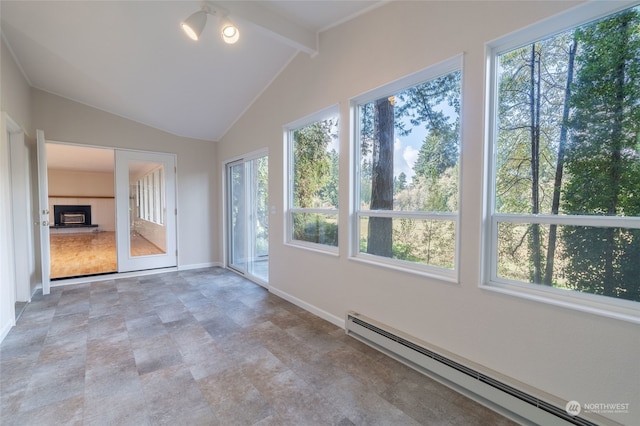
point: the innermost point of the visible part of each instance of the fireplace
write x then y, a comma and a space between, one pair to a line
72, 216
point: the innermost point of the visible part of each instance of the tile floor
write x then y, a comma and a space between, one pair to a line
204, 347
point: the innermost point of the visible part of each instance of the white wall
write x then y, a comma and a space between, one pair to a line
7, 269
560, 354
103, 212
23, 227
64, 120
15, 96
95, 189
15, 102
71, 183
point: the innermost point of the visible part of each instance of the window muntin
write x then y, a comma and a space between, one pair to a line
566, 169
313, 180
408, 148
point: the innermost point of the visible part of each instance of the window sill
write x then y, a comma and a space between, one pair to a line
314, 247
622, 310
447, 276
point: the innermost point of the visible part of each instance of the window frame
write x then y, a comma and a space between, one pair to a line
610, 307
455, 63
289, 161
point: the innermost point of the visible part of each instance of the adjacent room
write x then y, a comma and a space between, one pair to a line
320, 212
82, 210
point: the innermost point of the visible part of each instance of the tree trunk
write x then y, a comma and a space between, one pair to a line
615, 172
557, 184
534, 106
381, 228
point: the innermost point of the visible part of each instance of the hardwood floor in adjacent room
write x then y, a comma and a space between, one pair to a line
91, 253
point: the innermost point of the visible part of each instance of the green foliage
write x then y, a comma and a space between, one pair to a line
315, 167
602, 158
601, 161
514, 168
435, 106
316, 228
399, 183
438, 152
261, 169
421, 104
329, 192
433, 194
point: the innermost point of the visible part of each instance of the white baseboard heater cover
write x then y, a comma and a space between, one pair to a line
500, 397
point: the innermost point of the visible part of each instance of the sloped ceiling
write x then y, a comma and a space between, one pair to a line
131, 58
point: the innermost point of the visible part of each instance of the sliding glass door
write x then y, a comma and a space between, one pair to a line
247, 217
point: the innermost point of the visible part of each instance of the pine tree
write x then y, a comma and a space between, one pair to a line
602, 158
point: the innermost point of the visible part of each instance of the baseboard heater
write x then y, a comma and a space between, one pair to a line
501, 397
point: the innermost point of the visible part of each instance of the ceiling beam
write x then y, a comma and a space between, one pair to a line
273, 24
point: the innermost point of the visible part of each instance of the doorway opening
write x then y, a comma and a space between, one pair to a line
108, 210
82, 224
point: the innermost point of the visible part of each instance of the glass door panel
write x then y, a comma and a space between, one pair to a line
237, 214
258, 260
148, 230
248, 218
145, 198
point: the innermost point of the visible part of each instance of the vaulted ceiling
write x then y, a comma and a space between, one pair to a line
132, 59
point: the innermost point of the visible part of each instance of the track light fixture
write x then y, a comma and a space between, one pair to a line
230, 33
195, 23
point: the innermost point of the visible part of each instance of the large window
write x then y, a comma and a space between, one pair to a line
565, 210
408, 146
313, 180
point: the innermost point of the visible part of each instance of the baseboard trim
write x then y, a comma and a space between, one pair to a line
108, 277
339, 322
5, 330
199, 266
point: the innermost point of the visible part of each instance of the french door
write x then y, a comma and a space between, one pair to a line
43, 211
145, 210
248, 217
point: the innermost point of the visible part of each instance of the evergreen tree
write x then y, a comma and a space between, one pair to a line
313, 163
602, 158
421, 105
532, 89
380, 230
400, 183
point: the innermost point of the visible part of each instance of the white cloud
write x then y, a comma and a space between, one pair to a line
410, 156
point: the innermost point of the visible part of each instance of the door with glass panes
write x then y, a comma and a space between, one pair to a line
247, 217
145, 210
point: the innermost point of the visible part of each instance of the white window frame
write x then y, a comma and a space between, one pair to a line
453, 64
290, 210
596, 304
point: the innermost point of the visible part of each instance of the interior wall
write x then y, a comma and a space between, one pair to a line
71, 183
64, 120
71, 187
554, 352
15, 102
7, 268
15, 96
